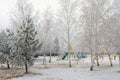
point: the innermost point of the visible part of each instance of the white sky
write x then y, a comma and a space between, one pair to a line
8, 5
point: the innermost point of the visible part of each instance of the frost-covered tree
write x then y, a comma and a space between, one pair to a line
26, 42
93, 16
116, 15
47, 25
5, 47
107, 32
54, 47
67, 23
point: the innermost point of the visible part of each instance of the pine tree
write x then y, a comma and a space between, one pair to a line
27, 42
5, 40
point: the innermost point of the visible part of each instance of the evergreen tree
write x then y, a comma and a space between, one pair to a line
5, 40
27, 42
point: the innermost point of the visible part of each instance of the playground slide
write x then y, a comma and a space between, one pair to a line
60, 57
65, 55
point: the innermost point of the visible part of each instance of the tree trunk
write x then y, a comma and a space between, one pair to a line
8, 65
70, 64
110, 60
109, 57
50, 58
92, 62
97, 61
91, 54
119, 60
44, 59
91, 67
26, 67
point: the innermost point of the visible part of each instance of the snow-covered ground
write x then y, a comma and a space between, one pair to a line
78, 72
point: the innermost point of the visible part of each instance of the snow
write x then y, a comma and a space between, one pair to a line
79, 72
75, 74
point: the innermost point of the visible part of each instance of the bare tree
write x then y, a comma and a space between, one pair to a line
47, 27
92, 16
67, 23
107, 31
116, 16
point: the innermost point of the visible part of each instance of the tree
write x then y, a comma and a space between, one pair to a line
93, 16
108, 31
5, 47
54, 48
67, 23
26, 42
116, 15
47, 25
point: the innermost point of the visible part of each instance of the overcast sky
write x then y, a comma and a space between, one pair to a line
9, 5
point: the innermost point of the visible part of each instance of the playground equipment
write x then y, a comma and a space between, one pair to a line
73, 56
81, 56
64, 56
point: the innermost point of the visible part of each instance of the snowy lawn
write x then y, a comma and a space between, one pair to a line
59, 70
13, 72
10, 73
